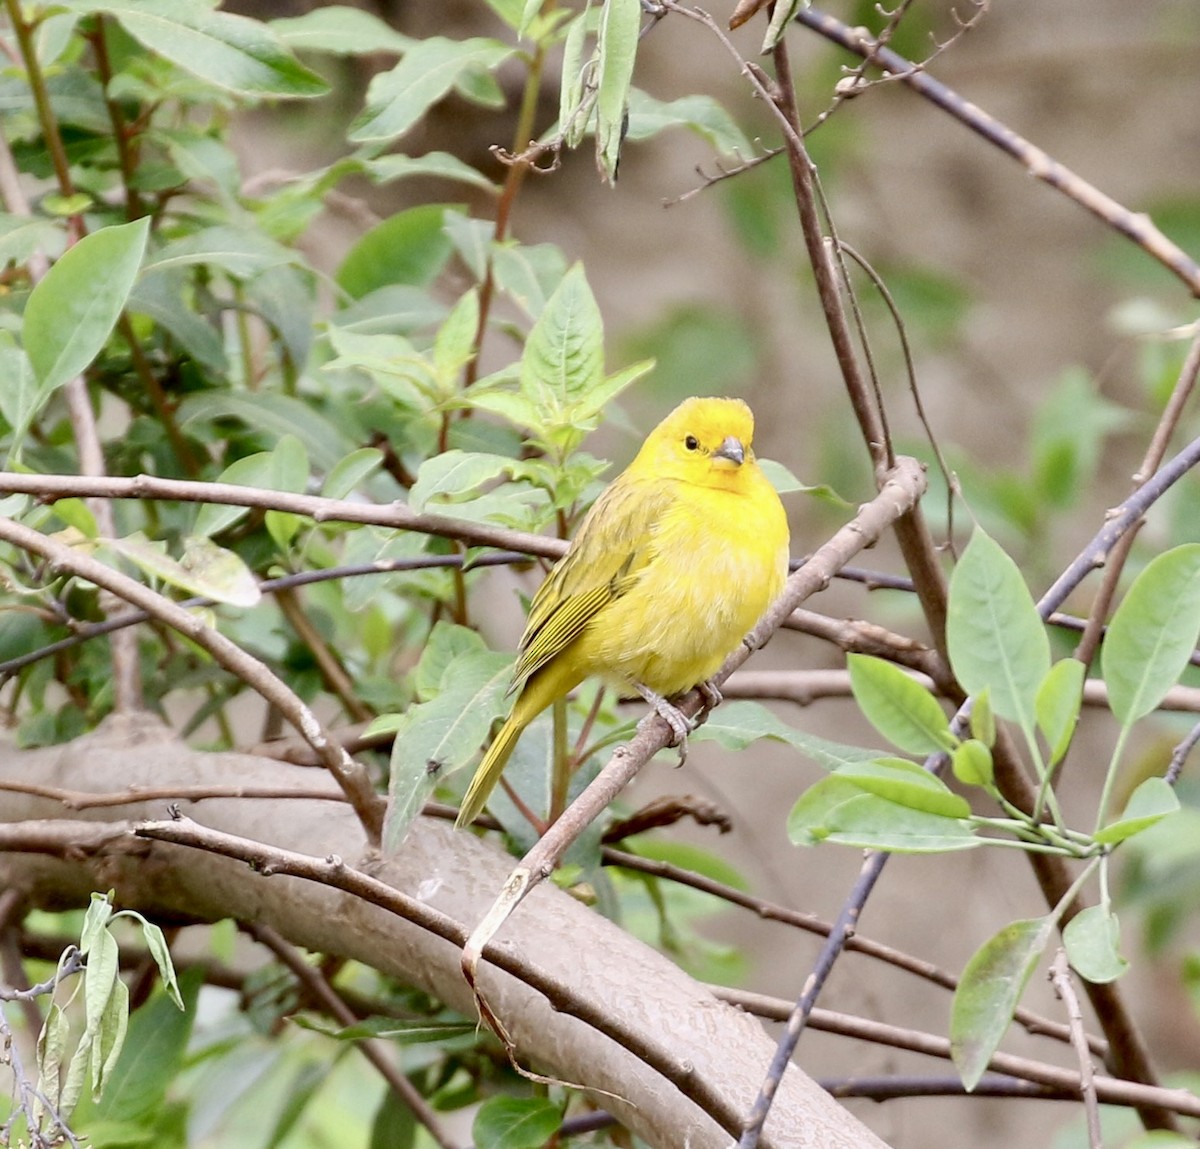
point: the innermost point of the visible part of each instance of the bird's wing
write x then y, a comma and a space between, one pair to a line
611, 548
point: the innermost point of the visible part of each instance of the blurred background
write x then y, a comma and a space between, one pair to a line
1042, 352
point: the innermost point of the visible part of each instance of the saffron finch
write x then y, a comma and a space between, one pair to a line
673, 565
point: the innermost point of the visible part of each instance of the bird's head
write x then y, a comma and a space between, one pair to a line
703, 441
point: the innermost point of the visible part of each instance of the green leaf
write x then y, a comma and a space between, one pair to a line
95, 921
340, 30
410, 247
971, 762
996, 639
983, 718
156, 943
251, 471
572, 116
515, 1123
398, 98
1057, 705
73, 310
454, 344
837, 809
781, 17
700, 114
906, 784
153, 1053
901, 709
455, 476
351, 471
232, 52
51, 1053
564, 354
1151, 802
446, 642
737, 724
20, 397
205, 569
438, 165
438, 737
989, 991
272, 415
1092, 939
620, 23
528, 273
868, 822
240, 252
103, 968
109, 1038
1153, 633
403, 1032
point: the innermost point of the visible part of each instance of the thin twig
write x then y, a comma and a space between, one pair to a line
1060, 975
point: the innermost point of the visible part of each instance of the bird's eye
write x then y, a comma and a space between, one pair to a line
692, 443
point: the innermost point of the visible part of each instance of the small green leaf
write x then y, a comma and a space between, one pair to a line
1151, 802
996, 639
971, 762
410, 247
700, 114
906, 784
990, 990
340, 30
572, 115
251, 471
983, 719
156, 943
438, 737
73, 310
154, 1050
1092, 939
397, 99
564, 354
454, 345
455, 476
109, 1038
103, 968
528, 273
233, 52
515, 1123
780, 19
1153, 633
869, 822
351, 471
739, 723
51, 1053
902, 710
446, 642
620, 23
436, 165
389, 1028
95, 921
205, 569
1057, 705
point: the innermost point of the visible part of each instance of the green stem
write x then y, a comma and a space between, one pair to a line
126, 153
41, 97
522, 135
1110, 778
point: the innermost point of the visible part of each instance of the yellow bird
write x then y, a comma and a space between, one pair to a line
673, 565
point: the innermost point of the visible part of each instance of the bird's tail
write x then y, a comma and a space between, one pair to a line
489, 770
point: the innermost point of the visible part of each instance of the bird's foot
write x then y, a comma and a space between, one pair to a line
681, 725
710, 693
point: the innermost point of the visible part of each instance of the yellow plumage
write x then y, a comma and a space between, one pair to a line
673, 565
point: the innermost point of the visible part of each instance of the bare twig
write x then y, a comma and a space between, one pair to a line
1060, 975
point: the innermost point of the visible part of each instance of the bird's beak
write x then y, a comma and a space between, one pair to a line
732, 450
